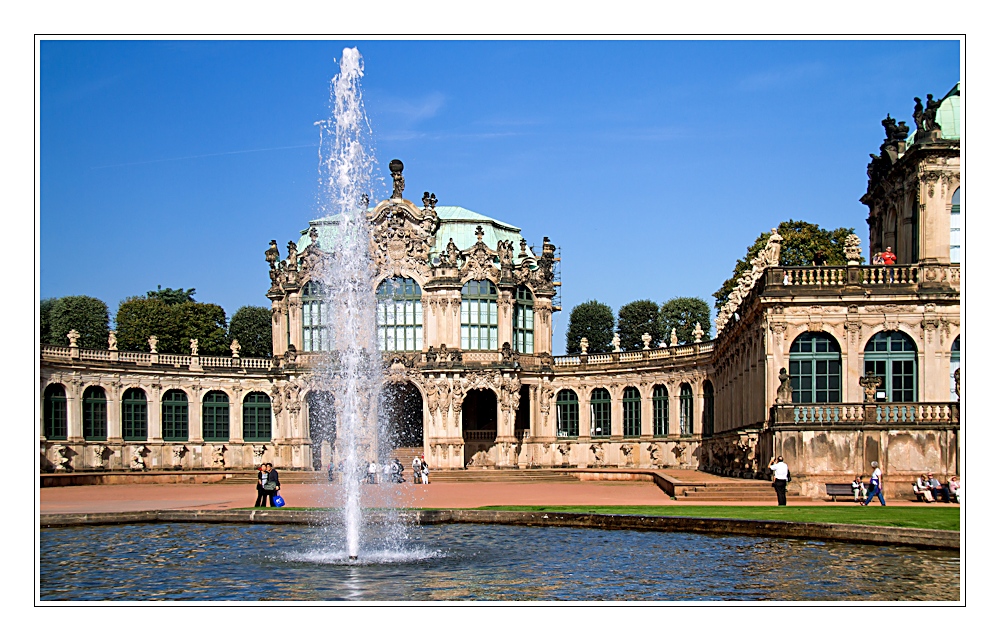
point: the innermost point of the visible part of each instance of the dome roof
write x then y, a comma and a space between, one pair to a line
949, 116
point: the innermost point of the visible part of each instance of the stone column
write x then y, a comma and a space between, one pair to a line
617, 413
646, 416
236, 416
74, 410
295, 320
505, 318
853, 362
699, 406
584, 400
195, 427
674, 408
114, 395
279, 327
154, 413
428, 302
543, 325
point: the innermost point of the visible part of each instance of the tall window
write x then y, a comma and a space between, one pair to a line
400, 315
524, 320
956, 362
687, 410
915, 230
135, 424
567, 414
479, 315
956, 226
95, 414
257, 417
315, 336
661, 410
708, 416
600, 413
893, 356
175, 415
55, 412
814, 364
215, 417
631, 412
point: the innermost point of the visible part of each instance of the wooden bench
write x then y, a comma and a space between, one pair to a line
839, 489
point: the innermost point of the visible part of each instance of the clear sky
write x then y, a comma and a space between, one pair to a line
652, 164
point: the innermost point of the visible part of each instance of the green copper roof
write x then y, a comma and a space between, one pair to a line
457, 223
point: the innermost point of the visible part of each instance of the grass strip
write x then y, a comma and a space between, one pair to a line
912, 517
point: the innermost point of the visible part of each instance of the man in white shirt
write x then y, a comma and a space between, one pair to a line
875, 487
780, 470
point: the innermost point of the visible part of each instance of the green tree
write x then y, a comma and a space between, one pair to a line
682, 313
85, 314
45, 320
172, 296
593, 320
802, 244
637, 318
174, 325
251, 326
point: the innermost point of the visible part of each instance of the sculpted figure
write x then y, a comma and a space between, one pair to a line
293, 256
194, 347
112, 341
773, 247
73, 337
785, 388
235, 347
918, 114
616, 343
698, 332
152, 344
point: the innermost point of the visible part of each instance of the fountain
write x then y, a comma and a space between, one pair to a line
353, 370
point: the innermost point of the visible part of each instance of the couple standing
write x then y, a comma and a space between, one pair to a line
420, 470
267, 484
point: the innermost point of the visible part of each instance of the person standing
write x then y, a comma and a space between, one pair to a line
780, 469
424, 471
261, 494
271, 483
875, 486
416, 469
888, 258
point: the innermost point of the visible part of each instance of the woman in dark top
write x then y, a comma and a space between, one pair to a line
261, 495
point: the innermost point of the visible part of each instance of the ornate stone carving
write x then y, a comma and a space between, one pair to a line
852, 329
870, 383
112, 341
73, 337
219, 455
627, 450
138, 461
235, 348
698, 332
616, 343
773, 250
478, 262
178, 452
398, 183
194, 347
597, 449
958, 383
852, 249
100, 452
654, 455
258, 454
673, 337
152, 344
584, 344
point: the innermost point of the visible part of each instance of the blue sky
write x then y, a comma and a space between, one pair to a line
652, 165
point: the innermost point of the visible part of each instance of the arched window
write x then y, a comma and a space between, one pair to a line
315, 336
687, 410
708, 416
95, 414
135, 423
814, 365
175, 415
893, 356
524, 320
257, 417
600, 413
956, 362
215, 416
661, 410
479, 315
55, 412
400, 315
567, 414
956, 226
915, 230
631, 412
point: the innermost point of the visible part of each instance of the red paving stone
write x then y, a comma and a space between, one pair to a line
128, 498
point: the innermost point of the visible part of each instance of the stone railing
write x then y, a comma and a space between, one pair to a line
140, 358
856, 414
893, 276
479, 435
815, 276
634, 356
174, 359
57, 352
889, 276
480, 357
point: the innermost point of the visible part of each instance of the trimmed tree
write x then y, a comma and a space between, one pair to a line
593, 320
682, 313
802, 244
45, 320
251, 326
637, 318
172, 296
174, 326
85, 314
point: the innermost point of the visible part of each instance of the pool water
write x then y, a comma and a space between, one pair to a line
476, 562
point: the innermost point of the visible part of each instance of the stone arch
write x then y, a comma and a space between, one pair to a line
479, 424
401, 414
322, 425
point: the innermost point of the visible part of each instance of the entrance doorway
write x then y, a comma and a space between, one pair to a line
479, 424
322, 427
401, 417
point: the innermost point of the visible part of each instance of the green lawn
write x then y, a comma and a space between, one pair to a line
916, 517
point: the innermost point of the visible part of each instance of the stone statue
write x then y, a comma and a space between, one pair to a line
698, 332
432, 355
918, 114
398, 184
235, 347
852, 249
785, 388
152, 344
506, 352
271, 254
112, 341
73, 337
584, 344
673, 337
958, 383
616, 343
930, 114
871, 383
645, 340
194, 347
293, 255
773, 250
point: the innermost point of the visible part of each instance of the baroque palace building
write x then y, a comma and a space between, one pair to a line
831, 366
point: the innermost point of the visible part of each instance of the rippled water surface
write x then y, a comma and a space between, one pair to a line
476, 562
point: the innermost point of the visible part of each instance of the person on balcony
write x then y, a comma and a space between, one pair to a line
888, 258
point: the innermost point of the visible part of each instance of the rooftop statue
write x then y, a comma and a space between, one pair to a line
398, 183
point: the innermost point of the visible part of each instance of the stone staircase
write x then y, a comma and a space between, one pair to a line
735, 491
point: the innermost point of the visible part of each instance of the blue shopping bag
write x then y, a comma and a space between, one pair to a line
278, 501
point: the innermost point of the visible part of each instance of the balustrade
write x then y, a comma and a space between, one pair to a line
890, 275
839, 413
174, 359
858, 413
815, 276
